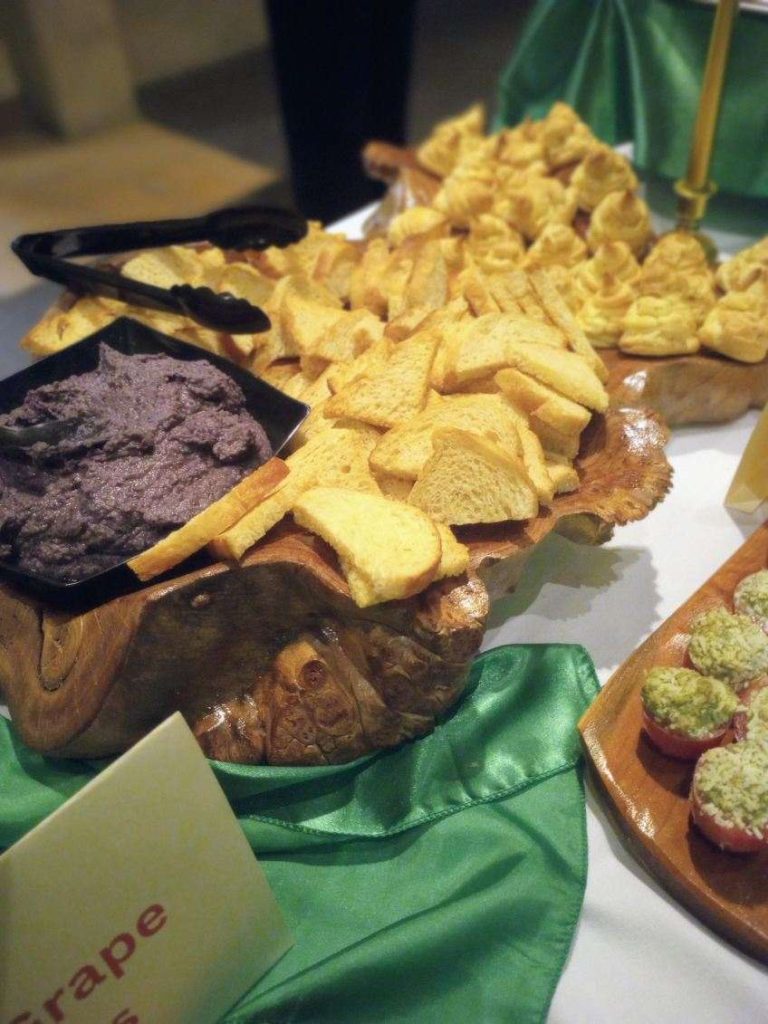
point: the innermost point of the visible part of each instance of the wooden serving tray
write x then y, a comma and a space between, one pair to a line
270, 660
647, 792
702, 388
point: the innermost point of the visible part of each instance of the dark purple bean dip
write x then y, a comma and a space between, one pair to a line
156, 440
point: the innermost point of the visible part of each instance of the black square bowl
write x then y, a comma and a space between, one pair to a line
279, 414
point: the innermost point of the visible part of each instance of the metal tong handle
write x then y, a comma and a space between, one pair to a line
47, 254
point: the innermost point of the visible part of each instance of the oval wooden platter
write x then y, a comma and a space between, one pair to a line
647, 792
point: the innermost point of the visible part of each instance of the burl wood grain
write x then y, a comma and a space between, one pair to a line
648, 792
271, 661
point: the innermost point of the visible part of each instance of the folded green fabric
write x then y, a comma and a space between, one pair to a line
633, 70
438, 882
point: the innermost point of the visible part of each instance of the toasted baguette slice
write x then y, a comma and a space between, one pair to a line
454, 559
561, 316
564, 371
304, 322
469, 479
368, 364
563, 476
349, 336
477, 348
246, 282
212, 521
337, 456
399, 390
535, 465
387, 549
166, 267
532, 396
403, 450
553, 441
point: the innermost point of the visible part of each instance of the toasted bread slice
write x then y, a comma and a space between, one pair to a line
560, 314
397, 558
469, 479
428, 283
245, 281
403, 451
553, 441
166, 267
563, 476
454, 559
397, 392
304, 322
564, 371
394, 486
280, 372
338, 457
477, 348
346, 338
365, 288
532, 396
212, 521
368, 364
535, 465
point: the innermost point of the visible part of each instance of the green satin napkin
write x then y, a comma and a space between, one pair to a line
439, 882
633, 70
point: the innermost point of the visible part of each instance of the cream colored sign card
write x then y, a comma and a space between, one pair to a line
138, 902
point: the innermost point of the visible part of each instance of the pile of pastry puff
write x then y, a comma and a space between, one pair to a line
549, 194
715, 713
441, 399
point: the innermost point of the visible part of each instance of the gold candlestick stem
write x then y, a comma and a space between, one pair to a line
696, 187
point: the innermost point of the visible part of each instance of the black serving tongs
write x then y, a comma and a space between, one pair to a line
47, 254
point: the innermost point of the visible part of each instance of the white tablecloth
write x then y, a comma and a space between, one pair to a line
639, 957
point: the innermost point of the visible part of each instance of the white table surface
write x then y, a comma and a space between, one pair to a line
638, 956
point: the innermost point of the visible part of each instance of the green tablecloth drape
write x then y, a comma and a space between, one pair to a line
439, 882
633, 70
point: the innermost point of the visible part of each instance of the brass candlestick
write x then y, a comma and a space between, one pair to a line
695, 189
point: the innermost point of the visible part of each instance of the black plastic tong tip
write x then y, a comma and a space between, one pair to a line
47, 254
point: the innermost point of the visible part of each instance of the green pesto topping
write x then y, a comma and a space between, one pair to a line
686, 702
732, 785
751, 596
729, 647
757, 716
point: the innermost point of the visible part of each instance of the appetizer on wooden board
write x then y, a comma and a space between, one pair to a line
698, 818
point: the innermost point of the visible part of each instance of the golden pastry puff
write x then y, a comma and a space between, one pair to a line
417, 220
694, 288
612, 259
564, 136
451, 139
565, 281
679, 251
602, 315
620, 217
495, 245
602, 171
736, 327
465, 193
521, 146
659, 326
542, 201
736, 274
557, 244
